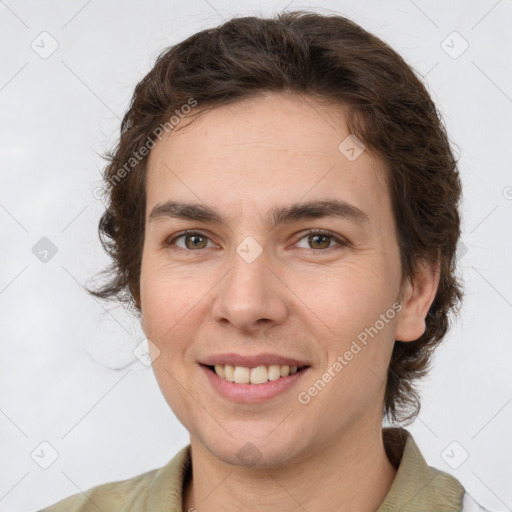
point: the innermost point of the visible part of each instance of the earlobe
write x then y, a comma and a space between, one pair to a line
418, 294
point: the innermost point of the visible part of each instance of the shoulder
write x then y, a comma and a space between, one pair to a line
158, 490
109, 496
418, 486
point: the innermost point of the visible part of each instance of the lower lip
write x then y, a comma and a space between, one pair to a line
252, 393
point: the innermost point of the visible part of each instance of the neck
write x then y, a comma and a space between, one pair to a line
353, 473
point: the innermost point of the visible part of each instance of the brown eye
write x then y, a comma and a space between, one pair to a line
320, 239
189, 241
195, 241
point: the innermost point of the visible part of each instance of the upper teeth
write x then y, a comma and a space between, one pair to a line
258, 375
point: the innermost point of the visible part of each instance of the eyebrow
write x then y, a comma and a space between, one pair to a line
276, 216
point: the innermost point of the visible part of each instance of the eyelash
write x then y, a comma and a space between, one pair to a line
322, 232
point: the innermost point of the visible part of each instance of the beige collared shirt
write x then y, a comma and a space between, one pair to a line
417, 487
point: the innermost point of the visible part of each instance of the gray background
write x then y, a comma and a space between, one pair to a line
68, 375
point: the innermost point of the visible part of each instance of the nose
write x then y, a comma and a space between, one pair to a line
252, 296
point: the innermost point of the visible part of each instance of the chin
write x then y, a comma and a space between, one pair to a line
254, 451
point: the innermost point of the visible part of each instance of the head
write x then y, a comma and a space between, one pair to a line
251, 117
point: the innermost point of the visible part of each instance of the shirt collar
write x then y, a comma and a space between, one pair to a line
417, 487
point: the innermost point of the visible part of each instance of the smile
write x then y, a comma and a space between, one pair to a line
257, 375
252, 385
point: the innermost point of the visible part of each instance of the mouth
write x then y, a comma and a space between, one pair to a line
252, 385
256, 375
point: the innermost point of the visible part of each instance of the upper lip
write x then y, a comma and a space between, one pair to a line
251, 361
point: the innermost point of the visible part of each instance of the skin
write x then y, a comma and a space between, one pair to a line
300, 298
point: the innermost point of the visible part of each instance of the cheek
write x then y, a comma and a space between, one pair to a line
172, 383
353, 297
357, 373
166, 299
165, 320
360, 311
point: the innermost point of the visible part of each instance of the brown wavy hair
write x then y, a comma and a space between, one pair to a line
328, 58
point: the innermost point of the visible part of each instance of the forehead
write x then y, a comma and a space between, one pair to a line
277, 148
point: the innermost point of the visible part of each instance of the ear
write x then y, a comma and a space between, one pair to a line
418, 294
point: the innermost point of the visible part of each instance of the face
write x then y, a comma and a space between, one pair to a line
259, 276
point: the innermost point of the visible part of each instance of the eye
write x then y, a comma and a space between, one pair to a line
315, 239
321, 239
192, 240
